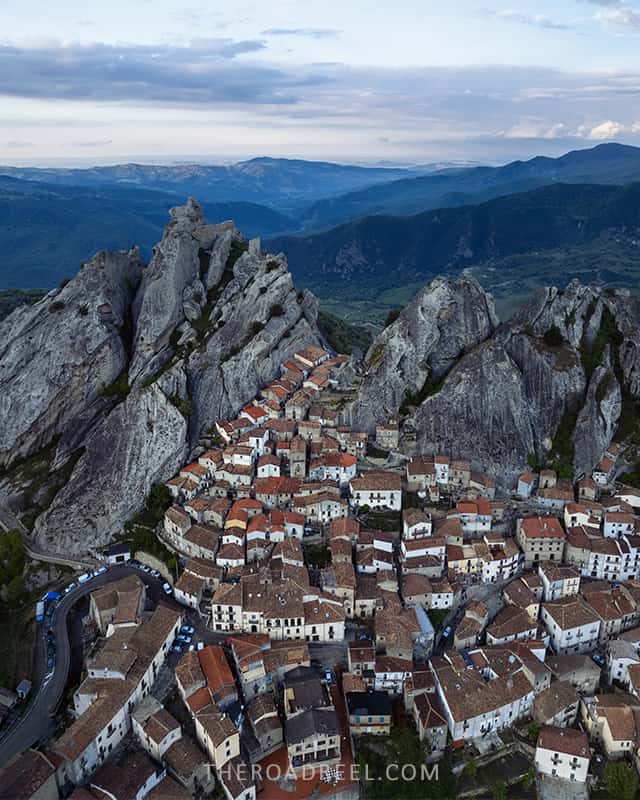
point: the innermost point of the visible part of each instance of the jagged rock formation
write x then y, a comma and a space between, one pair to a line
548, 385
135, 363
56, 355
446, 319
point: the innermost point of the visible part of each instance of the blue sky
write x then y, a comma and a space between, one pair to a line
407, 82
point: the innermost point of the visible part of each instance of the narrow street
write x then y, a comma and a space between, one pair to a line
38, 721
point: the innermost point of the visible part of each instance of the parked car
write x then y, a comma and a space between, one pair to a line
177, 648
188, 629
155, 573
70, 588
364, 637
51, 660
145, 568
100, 571
192, 647
200, 646
328, 676
446, 633
315, 664
182, 637
134, 563
167, 588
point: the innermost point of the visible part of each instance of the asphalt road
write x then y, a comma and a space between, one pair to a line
38, 722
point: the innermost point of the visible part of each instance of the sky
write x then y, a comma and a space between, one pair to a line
408, 82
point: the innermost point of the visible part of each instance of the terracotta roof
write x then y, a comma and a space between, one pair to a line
159, 725
555, 699
554, 571
377, 481
124, 778
430, 711
217, 726
571, 612
190, 584
189, 673
542, 528
24, 775
168, 789
564, 740
511, 621
178, 517
216, 670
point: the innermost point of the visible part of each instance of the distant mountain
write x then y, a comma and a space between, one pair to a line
605, 164
11, 299
285, 184
365, 257
47, 231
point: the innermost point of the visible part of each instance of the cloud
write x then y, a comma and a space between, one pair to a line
621, 15
525, 18
531, 129
607, 130
227, 93
617, 12
206, 71
310, 33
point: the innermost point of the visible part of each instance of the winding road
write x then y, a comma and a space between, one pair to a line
38, 721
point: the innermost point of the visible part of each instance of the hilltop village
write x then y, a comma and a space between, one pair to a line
330, 589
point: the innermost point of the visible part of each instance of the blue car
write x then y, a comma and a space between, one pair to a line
177, 648
182, 637
188, 630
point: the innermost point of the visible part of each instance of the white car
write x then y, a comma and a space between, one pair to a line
100, 571
167, 588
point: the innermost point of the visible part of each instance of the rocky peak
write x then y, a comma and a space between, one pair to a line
130, 364
545, 387
414, 352
56, 355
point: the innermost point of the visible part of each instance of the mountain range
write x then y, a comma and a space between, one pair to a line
48, 230
364, 258
606, 163
288, 185
52, 220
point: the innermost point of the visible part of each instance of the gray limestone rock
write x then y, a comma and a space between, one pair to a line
58, 354
191, 338
446, 319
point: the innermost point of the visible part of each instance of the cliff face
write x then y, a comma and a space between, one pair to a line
547, 385
446, 319
134, 363
57, 354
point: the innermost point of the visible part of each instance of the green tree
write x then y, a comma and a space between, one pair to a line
532, 731
529, 777
621, 780
499, 791
15, 589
